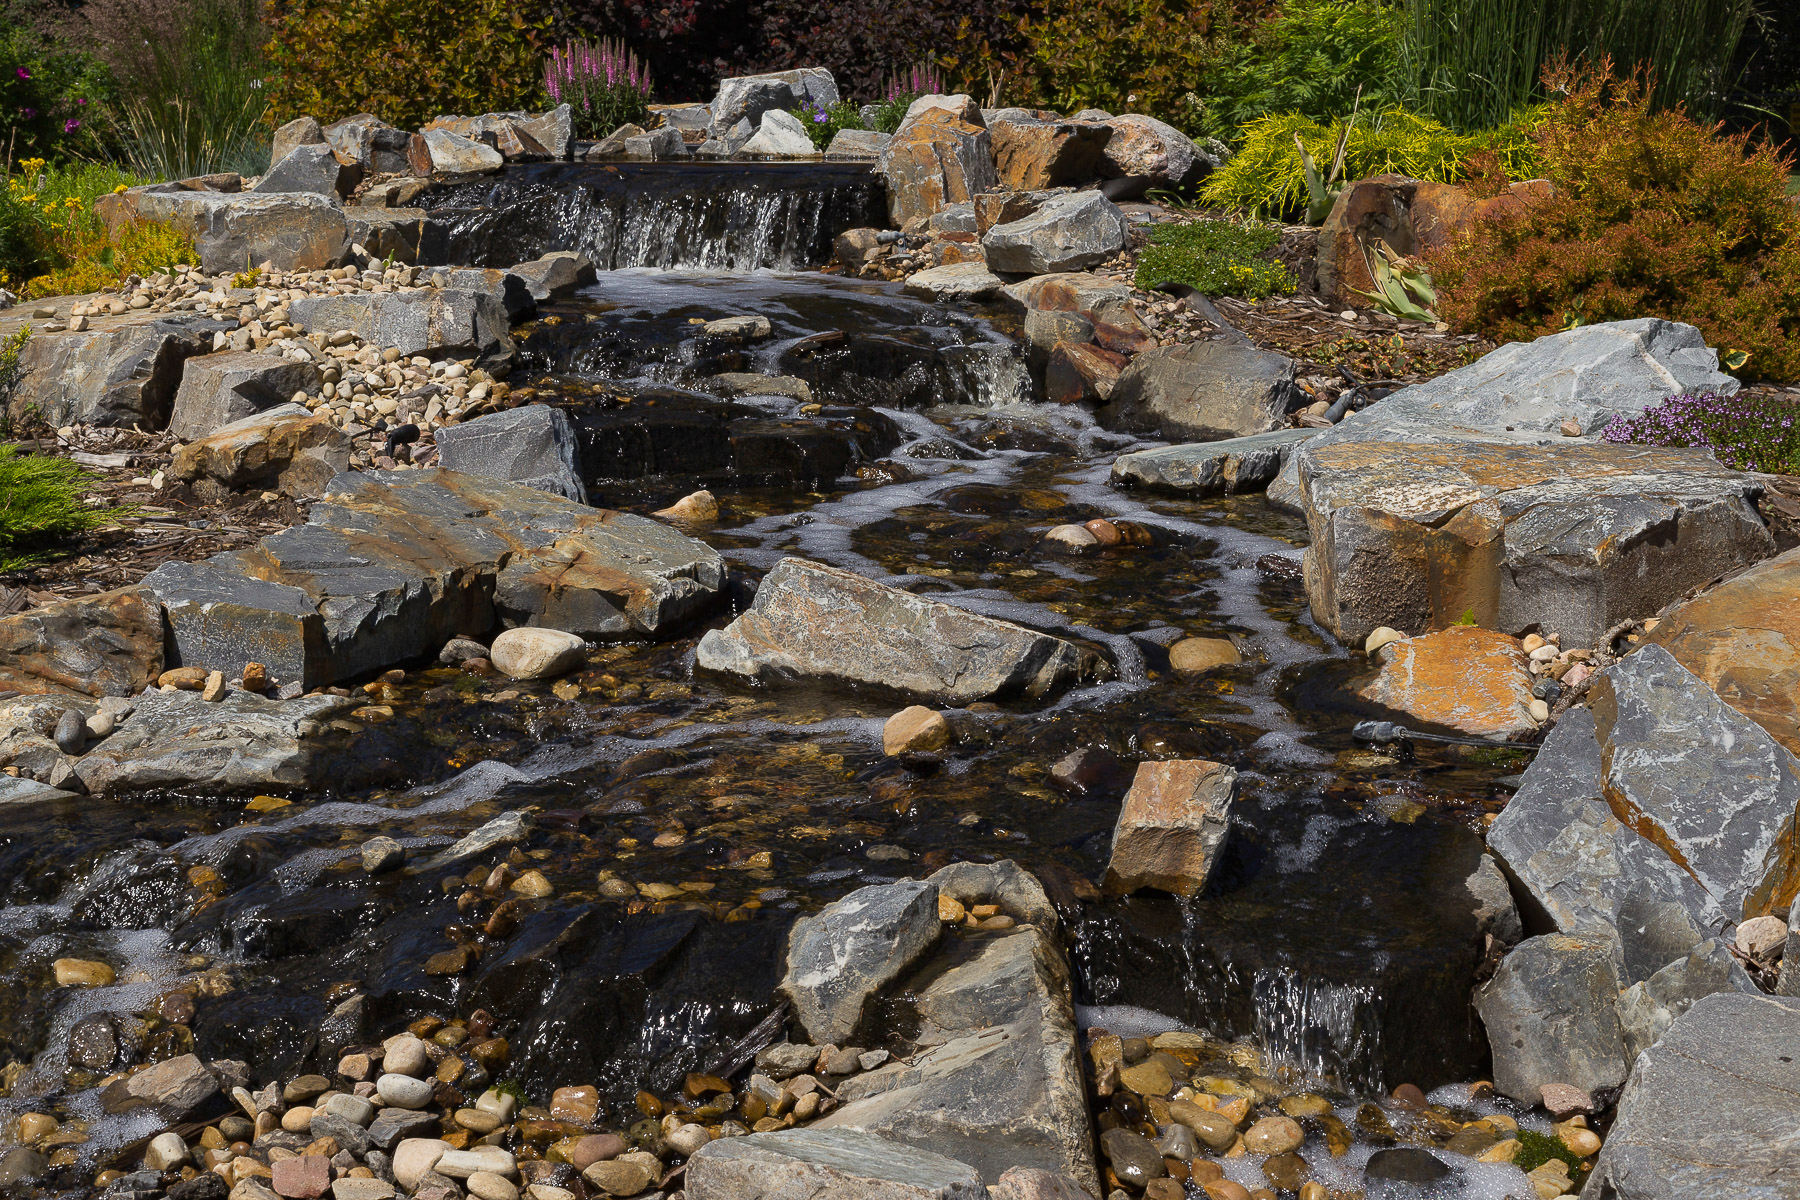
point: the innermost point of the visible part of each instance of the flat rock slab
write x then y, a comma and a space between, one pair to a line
998, 1083
811, 621
1203, 391
240, 744
286, 448
851, 949
1465, 678
109, 644
393, 564
1743, 639
14, 790
825, 1164
1712, 1109
431, 320
958, 281
219, 389
1228, 467
1570, 538
1659, 813
295, 231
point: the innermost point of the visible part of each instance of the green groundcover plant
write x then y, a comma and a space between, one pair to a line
1216, 258
41, 506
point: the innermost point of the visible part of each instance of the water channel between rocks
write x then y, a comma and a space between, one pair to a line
1336, 934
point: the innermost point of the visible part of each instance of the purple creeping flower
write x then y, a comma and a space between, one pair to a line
1745, 432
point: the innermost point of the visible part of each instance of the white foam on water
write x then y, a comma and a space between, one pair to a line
1125, 1020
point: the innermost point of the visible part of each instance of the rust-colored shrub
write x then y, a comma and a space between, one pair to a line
1655, 214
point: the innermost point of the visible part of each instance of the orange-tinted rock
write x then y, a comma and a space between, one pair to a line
1105, 304
1366, 211
998, 208
1439, 211
1032, 153
1743, 639
1171, 827
110, 644
1464, 678
288, 450
935, 159
1078, 373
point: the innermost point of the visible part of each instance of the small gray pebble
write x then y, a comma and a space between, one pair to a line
71, 732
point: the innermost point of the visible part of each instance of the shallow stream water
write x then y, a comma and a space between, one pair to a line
684, 821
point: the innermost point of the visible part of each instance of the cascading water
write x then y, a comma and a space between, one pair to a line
725, 217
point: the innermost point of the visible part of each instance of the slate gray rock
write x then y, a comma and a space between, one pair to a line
218, 389
1203, 391
555, 274
1068, 232
391, 565
17, 790
1658, 814
371, 143
1710, 1109
454, 154
294, 231
301, 131
852, 948
1550, 1017
1154, 151
1229, 467
314, 169
105, 644
856, 145
1016, 890
811, 621
120, 376
748, 97
997, 1082
779, 134
957, 281
1495, 912
238, 745
1789, 981
534, 445
1647, 1009
428, 321
173, 1087
816, 1164
661, 145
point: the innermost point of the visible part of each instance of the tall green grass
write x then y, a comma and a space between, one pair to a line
1470, 63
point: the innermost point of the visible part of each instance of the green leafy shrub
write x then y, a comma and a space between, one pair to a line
1655, 214
1268, 175
40, 506
406, 61
51, 96
1216, 258
823, 121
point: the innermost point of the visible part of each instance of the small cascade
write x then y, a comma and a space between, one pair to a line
1327, 1032
724, 217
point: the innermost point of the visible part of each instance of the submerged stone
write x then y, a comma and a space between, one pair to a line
802, 1164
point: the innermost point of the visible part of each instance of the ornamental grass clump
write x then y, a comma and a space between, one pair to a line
1744, 432
602, 82
41, 505
1215, 258
1654, 215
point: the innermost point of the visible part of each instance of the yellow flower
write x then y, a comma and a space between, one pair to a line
31, 199
119, 191
73, 203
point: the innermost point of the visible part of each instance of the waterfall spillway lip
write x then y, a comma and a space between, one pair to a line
701, 216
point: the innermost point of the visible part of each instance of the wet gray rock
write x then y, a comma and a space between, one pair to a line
1228, 467
662, 145
811, 621
394, 1125
218, 389
852, 948
1133, 1157
382, 854
429, 321
294, 231
533, 445
508, 827
1570, 538
1203, 391
15, 790
1551, 1018
1709, 1110
120, 376
1016, 890
748, 97
810, 1164
1068, 232
958, 281
173, 1087
1658, 813
997, 1082
313, 169
1647, 1009
22, 1164
555, 274
240, 744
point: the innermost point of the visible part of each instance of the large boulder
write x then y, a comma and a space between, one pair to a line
534, 445
748, 97
314, 169
1106, 305
1033, 153
1466, 678
301, 131
935, 159
373, 144
1078, 373
391, 565
120, 375
1365, 212
1743, 638
1569, 538
286, 449
811, 621
454, 154
108, 644
1656, 814
1171, 827
1147, 149
780, 135
1550, 1017
1228, 467
1068, 232
1709, 1110
428, 321
293, 231
234, 746
1203, 391
223, 388
850, 950
813, 1164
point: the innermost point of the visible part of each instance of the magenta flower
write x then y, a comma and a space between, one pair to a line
71, 125
24, 74
28, 113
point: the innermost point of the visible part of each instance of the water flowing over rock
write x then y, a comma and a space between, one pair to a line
1709, 1109
1465, 678
1660, 799
1066, 233
1203, 390
533, 445
108, 644
1228, 467
811, 621
1570, 538
802, 1164
392, 565
220, 389
286, 449
852, 949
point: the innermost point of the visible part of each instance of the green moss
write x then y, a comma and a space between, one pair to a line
1535, 1149
1216, 258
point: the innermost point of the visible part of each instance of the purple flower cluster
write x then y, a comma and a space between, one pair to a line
1746, 432
602, 81
923, 79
